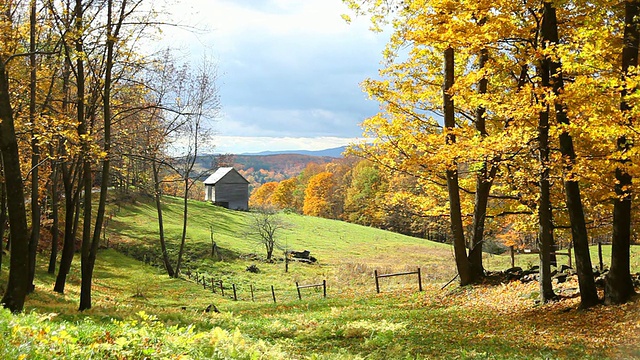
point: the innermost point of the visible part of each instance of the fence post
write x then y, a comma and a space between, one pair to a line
298, 288
235, 298
375, 272
600, 255
251, 287
273, 293
324, 287
221, 288
569, 252
513, 256
213, 285
419, 280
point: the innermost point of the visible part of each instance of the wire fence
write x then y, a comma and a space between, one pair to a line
296, 291
257, 293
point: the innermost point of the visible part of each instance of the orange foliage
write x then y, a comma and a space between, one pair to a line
283, 196
317, 195
262, 196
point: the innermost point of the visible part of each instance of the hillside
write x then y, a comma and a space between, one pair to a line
259, 169
338, 246
342, 249
141, 313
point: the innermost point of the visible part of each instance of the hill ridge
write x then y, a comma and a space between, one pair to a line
335, 152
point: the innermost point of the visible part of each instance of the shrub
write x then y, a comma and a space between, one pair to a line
35, 336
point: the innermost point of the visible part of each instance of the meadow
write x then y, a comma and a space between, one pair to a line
139, 312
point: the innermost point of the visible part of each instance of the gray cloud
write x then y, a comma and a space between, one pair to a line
310, 83
291, 68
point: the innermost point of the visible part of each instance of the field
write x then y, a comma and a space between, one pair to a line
139, 312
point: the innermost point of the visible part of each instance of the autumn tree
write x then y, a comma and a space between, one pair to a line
18, 285
115, 18
283, 196
317, 195
363, 195
549, 37
35, 150
263, 195
619, 286
545, 214
301, 182
157, 128
410, 134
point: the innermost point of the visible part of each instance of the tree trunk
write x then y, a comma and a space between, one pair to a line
71, 199
35, 150
545, 214
3, 216
453, 188
68, 172
18, 283
185, 217
83, 132
484, 181
588, 293
269, 251
55, 226
71, 214
157, 196
618, 285
92, 251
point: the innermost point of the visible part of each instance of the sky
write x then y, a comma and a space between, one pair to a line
290, 70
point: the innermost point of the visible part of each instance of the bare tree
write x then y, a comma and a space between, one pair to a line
175, 129
265, 226
202, 104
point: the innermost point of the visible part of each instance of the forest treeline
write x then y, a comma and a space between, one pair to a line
511, 121
520, 113
357, 191
86, 108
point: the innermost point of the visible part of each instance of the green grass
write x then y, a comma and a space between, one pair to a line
138, 310
347, 254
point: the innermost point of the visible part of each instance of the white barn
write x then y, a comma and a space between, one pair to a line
227, 188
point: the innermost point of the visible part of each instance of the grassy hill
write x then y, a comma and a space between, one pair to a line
140, 313
347, 254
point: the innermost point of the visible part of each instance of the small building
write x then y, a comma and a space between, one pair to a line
227, 188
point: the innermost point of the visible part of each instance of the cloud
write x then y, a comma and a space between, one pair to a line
242, 144
307, 122
289, 68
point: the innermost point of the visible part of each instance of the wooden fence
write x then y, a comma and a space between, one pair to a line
568, 253
513, 254
323, 285
378, 276
217, 286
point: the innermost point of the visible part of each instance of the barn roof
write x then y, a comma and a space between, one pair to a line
221, 173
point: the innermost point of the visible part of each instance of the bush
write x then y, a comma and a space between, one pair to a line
35, 336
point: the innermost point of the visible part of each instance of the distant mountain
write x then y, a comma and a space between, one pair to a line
265, 167
333, 152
